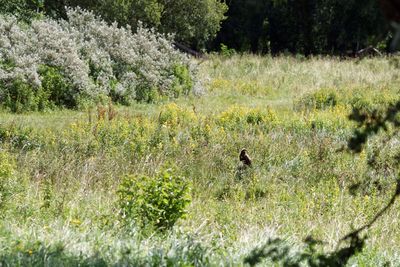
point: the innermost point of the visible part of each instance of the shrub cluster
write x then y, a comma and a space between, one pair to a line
359, 98
154, 201
321, 99
237, 116
58, 63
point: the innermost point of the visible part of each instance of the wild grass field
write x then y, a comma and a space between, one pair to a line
61, 171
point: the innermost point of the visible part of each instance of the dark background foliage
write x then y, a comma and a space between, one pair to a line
259, 26
303, 26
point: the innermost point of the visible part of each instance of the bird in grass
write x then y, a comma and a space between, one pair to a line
244, 157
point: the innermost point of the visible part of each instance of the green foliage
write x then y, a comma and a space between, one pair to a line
127, 12
239, 117
58, 90
25, 10
305, 27
20, 96
302, 27
183, 82
193, 22
321, 99
226, 51
54, 91
196, 23
173, 116
145, 94
154, 201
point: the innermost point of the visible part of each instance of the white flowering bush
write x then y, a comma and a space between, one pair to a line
56, 63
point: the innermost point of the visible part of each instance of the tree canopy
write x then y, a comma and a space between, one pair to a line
194, 22
258, 26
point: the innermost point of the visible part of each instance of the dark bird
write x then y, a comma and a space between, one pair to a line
244, 157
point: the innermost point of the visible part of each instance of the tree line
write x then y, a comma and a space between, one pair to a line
258, 26
303, 26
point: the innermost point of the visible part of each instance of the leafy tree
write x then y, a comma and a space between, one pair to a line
129, 12
262, 26
193, 21
247, 23
23, 9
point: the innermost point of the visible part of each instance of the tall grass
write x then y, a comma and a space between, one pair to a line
61, 204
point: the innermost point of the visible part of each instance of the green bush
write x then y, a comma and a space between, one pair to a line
145, 93
154, 201
183, 82
321, 99
57, 89
20, 96
226, 51
240, 117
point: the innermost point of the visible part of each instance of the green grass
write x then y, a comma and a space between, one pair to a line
60, 207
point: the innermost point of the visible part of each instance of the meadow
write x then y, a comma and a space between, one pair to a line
61, 170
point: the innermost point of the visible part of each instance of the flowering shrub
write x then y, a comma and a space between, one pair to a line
321, 99
172, 115
237, 116
59, 62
